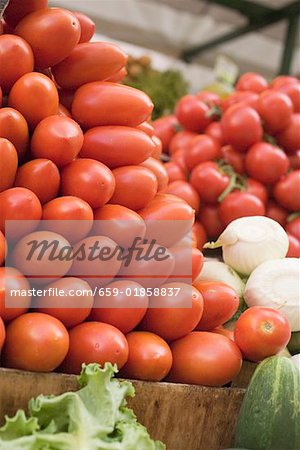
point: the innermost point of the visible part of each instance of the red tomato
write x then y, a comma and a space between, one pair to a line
14, 127
283, 80
89, 180
252, 82
147, 128
20, 204
95, 342
159, 171
2, 248
36, 342
88, 62
266, 163
8, 164
292, 90
241, 127
149, 359
224, 331
200, 235
261, 332
2, 334
103, 103
181, 141
257, 189
210, 98
197, 263
135, 187
122, 304
35, 96
246, 98
289, 138
209, 217
57, 138
294, 160
118, 76
14, 49
240, 204
214, 130
209, 174
294, 247
173, 316
276, 212
205, 358
203, 148
157, 152
293, 227
179, 158
63, 111
17, 9
165, 128
66, 97
11, 305
192, 113
117, 146
275, 109
220, 303
286, 191
234, 158
68, 216
40, 176
175, 172
186, 191
73, 304
45, 31
87, 26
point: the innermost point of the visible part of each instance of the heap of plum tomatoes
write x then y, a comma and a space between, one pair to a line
238, 156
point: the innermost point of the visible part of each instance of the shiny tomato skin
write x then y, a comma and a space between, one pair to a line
118, 76
103, 103
158, 149
147, 128
40, 176
293, 227
95, 342
89, 62
224, 331
286, 191
266, 163
205, 358
214, 130
220, 303
275, 109
87, 27
234, 158
165, 128
209, 217
199, 234
17, 9
283, 80
247, 98
203, 148
294, 247
117, 146
261, 332
252, 82
289, 138
89, 180
208, 174
70, 309
135, 187
257, 189
179, 158
241, 127
159, 171
192, 113
2, 248
13, 127
210, 98
181, 141
295, 160
35, 96
240, 204
8, 164
63, 111
2, 334
186, 191
66, 98
276, 212
172, 317
123, 309
12, 49
12, 306
149, 359
175, 172
292, 90
35, 342
45, 31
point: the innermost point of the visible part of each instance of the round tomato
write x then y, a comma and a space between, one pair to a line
210, 98
2, 334
165, 128
117, 146
289, 138
241, 127
73, 304
295, 160
173, 316
36, 342
275, 109
2, 248
179, 158
103, 103
175, 172
159, 171
294, 247
246, 98
208, 174
14, 49
8, 164
181, 140
87, 27
209, 217
203, 148
68, 216
214, 130
257, 189
252, 82
199, 234
266, 163
13, 127
220, 303
13, 304
240, 204
186, 191
95, 342
57, 138
286, 191
41, 176
261, 332
122, 304
35, 96
205, 358
135, 187
192, 113
276, 212
293, 227
45, 31
234, 158
149, 359
17, 9
292, 90
283, 80
88, 62
89, 180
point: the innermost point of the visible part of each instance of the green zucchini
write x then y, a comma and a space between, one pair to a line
269, 418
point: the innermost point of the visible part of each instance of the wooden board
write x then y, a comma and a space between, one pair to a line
184, 417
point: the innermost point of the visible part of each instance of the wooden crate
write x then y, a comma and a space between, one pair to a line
184, 417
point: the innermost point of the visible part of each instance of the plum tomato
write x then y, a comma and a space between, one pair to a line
12, 306
266, 163
240, 204
13, 127
159, 171
17, 9
87, 26
252, 82
8, 164
209, 181
186, 191
286, 191
175, 172
158, 150
3, 248
192, 113
203, 148
199, 235
147, 128
165, 128
2, 334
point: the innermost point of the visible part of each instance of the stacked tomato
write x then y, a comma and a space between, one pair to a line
239, 156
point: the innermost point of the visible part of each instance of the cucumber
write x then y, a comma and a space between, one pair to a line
294, 343
269, 418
